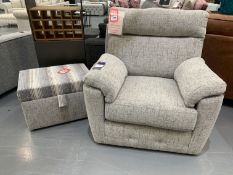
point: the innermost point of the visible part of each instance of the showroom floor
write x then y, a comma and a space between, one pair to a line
6, 30
68, 149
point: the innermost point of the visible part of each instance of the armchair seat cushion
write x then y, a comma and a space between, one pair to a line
151, 101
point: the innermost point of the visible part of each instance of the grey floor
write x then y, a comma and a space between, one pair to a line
7, 30
68, 150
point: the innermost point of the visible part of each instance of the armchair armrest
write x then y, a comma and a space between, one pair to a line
197, 81
108, 79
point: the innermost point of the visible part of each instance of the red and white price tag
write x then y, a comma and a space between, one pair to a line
65, 70
113, 15
115, 24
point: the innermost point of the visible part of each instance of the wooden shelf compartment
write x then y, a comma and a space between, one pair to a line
77, 24
45, 14
78, 34
69, 34
37, 25
66, 14
39, 35
59, 34
47, 24
55, 14
35, 14
56, 23
67, 24
49, 35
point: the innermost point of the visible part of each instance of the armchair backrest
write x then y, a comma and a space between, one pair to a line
156, 41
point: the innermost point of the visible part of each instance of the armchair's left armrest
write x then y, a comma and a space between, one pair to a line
109, 79
197, 81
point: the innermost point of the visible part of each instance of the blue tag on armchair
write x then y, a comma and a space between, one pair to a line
226, 7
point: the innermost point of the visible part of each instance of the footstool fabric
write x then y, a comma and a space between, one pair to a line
52, 95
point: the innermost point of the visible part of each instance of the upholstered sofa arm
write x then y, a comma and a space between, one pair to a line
20, 13
197, 81
109, 78
6, 7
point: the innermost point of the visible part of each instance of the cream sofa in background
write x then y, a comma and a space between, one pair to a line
17, 52
17, 13
5, 6
94, 8
7, 18
22, 16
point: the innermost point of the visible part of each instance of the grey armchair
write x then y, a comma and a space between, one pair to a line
155, 92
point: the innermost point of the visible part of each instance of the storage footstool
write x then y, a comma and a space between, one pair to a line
52, 95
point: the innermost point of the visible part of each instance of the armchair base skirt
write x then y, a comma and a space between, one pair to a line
145, 137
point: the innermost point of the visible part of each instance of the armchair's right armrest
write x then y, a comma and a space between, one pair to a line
109, 79
197, 81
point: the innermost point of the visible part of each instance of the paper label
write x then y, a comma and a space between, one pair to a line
113, 15
115, 24
65, 70
99, 65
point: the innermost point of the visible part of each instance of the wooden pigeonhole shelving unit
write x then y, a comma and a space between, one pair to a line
56, 23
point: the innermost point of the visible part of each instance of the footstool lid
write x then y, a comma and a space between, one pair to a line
51, 81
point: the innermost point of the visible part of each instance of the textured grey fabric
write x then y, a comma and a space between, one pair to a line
114, 133
94, 101
164, 22
172, 37
145, 137
17, 52
45, 112
47, 82
135, 125
109, 79
149, 4
151, 101
189, 4
153, 56
208, 110
197, 81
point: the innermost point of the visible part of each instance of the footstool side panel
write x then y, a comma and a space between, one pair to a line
46, 111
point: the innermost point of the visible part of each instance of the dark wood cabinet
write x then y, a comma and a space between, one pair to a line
218, 49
